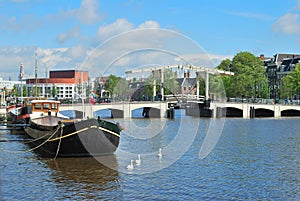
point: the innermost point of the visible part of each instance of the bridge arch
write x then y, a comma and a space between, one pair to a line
229, 112
290, 113
145, 112
263, 112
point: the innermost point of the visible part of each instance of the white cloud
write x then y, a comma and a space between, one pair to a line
298, 5
149, 24
259, 16
288, 24
73, 33
87, 13
117, 27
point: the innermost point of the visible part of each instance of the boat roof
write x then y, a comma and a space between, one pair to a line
45, 101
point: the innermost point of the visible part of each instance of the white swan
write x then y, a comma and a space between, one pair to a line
130, 167
138, 161
159, 155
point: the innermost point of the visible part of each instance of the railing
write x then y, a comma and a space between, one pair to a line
264, 101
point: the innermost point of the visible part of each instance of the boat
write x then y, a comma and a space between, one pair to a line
55, 135
18, 114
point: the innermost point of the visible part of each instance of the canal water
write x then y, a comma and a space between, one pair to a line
242, 159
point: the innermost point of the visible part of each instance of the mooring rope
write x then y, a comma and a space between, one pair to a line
18, 152
61, 125
84, 129
61, 137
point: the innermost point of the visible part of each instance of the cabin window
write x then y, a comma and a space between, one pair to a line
46, 106
38, 106
54, 106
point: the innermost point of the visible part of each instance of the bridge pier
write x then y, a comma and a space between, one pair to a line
127, 111
277, 111
246, 110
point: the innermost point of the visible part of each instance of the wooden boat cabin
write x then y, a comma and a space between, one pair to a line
45, 106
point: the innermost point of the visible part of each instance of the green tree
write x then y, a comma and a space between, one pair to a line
121, 90
24, 91
291, 83
249, 78
118, 87
170, 83
54, 91
15, 91
111, 83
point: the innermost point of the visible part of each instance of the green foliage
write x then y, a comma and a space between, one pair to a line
121, 90
118, 87
291, 83
54, 91
111, 83
249, 78
170, 83
24, 91
15, 91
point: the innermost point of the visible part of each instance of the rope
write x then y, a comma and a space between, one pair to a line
36, 139
84, 129
61, 137
61, 125
44, 141
18, 152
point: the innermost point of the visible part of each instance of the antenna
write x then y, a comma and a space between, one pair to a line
35, 72
21, 77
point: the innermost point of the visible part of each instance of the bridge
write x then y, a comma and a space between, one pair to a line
250, 110
121, 109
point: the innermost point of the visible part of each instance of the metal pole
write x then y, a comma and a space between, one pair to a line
206, 85
197, 86
162, 84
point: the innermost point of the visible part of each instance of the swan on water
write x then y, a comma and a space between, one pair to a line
138, 161
130, 167
159, 155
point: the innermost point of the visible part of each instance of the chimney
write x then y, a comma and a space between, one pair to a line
186, 74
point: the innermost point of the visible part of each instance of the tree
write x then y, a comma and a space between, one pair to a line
111, 83
54, 91
15, 91
24, 91
121, 90
291, 83
170, 83
118, 87
249, 78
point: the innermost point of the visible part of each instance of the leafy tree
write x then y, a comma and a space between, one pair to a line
15, 91
121, 90
249, 78
54, 91
24, 91
170, 83
291, 83
118, 87
111, 83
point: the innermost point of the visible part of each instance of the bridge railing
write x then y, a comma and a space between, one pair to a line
264, 101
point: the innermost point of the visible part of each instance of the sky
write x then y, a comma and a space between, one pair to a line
111, 37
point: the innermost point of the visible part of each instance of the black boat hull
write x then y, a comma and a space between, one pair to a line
89, 137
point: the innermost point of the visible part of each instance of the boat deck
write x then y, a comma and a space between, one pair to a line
48, 120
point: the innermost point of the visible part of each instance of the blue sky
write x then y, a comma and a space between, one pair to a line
65, 34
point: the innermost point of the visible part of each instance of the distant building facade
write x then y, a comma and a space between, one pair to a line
278, 67
62, 84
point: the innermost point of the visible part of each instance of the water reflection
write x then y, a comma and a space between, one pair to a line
84, 176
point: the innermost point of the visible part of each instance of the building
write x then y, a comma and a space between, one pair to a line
62, 84
278, 67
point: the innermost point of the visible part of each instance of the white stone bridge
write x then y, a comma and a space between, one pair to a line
248, 110
120, 109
